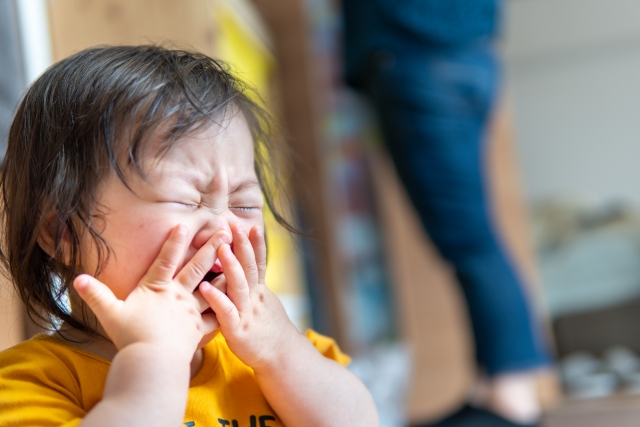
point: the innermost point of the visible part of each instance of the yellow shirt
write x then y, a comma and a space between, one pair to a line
45, 382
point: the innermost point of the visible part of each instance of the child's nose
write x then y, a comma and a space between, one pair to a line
208, 229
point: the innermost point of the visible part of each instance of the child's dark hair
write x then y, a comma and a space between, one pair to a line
91, 113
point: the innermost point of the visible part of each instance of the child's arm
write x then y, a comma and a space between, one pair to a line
302, 386
156, 330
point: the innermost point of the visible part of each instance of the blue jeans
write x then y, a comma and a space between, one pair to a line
433, 106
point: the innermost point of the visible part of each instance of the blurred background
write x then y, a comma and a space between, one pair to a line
563, 144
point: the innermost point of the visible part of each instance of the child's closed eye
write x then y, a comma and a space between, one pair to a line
241, 209
245, 209
188, 205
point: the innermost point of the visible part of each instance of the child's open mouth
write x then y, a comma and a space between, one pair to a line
210, 276
215, 271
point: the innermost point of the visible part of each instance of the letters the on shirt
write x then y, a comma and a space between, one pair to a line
252, 421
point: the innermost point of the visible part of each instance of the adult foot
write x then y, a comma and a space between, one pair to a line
514, 396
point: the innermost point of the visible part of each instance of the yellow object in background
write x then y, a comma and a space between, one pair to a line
242, 42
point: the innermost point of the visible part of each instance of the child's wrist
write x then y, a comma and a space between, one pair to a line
286, 350
147, 372
159, 353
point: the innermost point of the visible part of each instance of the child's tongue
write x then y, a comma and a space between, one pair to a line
217, 267
215, 271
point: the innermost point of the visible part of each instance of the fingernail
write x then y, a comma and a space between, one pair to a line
82, 280
205, 287
182, 229
259, 231
239, 229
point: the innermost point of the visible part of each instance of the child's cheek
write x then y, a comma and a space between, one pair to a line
126, 268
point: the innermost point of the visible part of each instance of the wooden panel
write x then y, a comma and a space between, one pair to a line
507, 201
513, 223
432, 313
77, 24
12, 329
287, 22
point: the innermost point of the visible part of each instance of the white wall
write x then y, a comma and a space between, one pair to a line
35, 37
573, 72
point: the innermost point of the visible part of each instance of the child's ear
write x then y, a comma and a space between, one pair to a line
46, 239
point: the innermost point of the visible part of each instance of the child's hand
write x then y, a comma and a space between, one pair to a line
162, 309
251, 317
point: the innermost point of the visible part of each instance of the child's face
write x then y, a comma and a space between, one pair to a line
206, 181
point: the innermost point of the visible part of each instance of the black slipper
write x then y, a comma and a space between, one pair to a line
468, 416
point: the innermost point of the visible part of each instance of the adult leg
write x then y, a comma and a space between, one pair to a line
434, 107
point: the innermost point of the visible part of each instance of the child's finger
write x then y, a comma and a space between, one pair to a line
192, 273
226, 313
256, 236
98, 297
201, 303
218, 283
237, 286
209, 323
166, 263
243, 251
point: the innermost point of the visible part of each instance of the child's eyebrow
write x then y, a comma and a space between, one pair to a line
244, 185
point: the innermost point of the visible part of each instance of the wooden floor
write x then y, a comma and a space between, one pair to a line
617, 411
